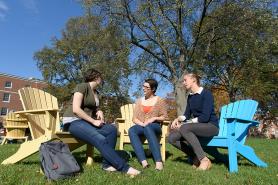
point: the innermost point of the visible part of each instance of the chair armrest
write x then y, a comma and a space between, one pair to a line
243, 120
164, 127
121, 124
62, 132
46, 112
35, 111
17, 119
166, 122
120, 120
14, 126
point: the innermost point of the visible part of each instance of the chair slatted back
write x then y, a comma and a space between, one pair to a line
243, 109
127, 114
34, 99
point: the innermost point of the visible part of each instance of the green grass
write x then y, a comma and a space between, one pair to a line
176, 171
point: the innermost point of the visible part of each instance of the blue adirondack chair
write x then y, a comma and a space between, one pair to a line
235, 121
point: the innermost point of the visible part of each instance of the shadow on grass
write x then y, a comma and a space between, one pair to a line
30, 162
81, 156
131, 154
217, 159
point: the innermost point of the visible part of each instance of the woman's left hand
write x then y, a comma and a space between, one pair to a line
148, 121
175, 124
100, 115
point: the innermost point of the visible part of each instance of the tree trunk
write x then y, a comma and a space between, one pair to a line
232, 95
181, 97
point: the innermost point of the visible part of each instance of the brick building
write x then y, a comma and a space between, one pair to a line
9, 98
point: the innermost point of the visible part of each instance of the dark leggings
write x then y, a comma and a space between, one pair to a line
190, 133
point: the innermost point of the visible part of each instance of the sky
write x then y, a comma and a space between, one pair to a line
26, 26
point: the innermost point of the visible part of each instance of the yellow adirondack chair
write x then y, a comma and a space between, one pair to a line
126, 122
15, 127
41, 111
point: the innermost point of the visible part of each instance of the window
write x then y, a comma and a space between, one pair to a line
8, 84
4, 111
6, 97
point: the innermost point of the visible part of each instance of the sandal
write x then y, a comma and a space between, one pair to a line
146, 166
159, 167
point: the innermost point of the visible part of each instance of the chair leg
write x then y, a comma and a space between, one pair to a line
163, 151
41, 171
89, 154
121, 143
233, 166
249, 154
4, 141
25, 150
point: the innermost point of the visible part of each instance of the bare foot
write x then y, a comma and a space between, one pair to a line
159, 166
132, 172
205, 164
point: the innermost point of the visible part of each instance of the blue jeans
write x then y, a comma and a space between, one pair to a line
150, 132
104, 138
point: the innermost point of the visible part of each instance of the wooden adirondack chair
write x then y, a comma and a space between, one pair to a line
126, 122
41, 111
235, 121
15, 127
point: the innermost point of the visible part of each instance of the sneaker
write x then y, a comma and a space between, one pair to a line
110, 169
132, 172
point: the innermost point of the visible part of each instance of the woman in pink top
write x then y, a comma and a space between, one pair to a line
149, 111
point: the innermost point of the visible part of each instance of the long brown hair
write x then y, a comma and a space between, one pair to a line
92, 75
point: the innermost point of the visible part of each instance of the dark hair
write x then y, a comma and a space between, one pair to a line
153, 84
92, 75
196, 77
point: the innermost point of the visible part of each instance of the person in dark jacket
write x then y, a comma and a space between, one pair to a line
199, 120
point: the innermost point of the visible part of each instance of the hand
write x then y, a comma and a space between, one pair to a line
148, 121
100, 115
175, 124
141, 124
98, 123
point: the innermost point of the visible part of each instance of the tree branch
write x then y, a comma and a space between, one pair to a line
204, 10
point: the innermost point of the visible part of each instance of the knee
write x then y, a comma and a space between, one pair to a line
131, 131
149, 131
185, 128
112, 129
98, 141
171, 139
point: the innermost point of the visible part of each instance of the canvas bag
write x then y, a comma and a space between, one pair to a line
57, 162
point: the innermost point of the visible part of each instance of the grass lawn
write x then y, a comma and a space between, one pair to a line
176, 171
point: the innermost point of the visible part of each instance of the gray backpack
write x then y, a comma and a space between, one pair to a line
57, 161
